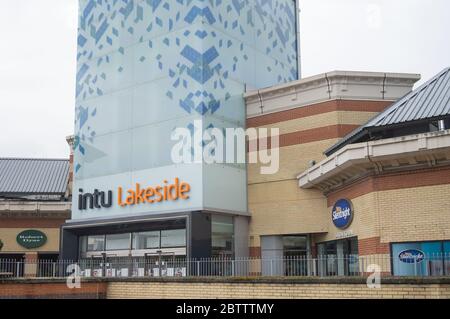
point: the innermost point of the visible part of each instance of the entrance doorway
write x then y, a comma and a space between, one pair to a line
339, 257
295, 255
165, 263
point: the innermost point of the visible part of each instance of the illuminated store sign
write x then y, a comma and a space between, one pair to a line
342, 214
137, 195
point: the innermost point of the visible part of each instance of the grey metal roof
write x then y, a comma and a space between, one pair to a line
33, 176
430, 100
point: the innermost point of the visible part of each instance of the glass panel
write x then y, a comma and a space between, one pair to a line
146, 240
417, 259
433, 264
294, 243
351, 256
173, 238
83, 244
118, 241
447, 258
331, 258
96, 243
222, 233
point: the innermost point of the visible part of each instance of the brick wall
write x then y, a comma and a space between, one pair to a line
39, 289
277, 204
244, 288
396, 207
368, 246
274, 289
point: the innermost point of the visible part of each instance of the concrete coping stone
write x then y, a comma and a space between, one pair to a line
240, 280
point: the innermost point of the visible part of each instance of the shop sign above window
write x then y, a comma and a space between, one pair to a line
31, 238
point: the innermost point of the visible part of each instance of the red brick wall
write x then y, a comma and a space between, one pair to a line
371, 246
255, 252
31, 290
308, 136
319, 108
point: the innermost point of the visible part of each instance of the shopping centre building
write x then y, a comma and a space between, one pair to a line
362, 159
360, 174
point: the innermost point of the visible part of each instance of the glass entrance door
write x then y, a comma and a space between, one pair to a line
165, 263
339, 257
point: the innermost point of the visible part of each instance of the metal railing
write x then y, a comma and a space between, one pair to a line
174, 266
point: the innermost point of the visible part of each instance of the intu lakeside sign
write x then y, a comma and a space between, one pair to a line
31, 238
342, 213
177, 190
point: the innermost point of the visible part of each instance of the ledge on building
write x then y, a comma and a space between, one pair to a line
344, 85
359, 159
27, 209
241, 280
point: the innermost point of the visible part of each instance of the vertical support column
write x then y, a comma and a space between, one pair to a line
241, 245
272, 255
200, 235
30, 266
68, 245
241, 248
309, 260
340, 258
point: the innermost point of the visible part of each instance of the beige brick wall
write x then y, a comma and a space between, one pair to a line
415, 214
321, 120
277, 204
294, 159
365, 222
408, 214
192, 290
400, 215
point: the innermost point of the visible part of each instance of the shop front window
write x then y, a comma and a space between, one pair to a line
146, 240
222, 235
118, 241
96, 243
173, 238
421, 259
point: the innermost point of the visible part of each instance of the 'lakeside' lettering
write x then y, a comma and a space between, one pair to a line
159, 193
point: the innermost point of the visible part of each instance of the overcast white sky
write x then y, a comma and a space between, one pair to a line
38, 50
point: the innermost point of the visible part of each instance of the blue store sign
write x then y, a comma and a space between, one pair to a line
342, 213
411, 256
